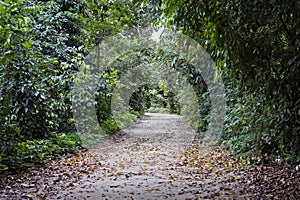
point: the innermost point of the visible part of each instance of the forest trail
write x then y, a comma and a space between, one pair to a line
148, 161
159, 157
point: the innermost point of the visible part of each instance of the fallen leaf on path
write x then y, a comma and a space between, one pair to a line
153, 189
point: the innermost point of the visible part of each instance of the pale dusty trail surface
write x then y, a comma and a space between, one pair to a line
146, 161
159, 157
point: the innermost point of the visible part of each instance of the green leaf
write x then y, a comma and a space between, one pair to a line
27, 44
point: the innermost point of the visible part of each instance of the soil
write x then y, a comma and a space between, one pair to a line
159, 157
143, 162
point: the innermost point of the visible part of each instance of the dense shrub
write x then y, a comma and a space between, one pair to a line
43, 45
256, 45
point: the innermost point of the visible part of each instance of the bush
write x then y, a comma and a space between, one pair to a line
31, 152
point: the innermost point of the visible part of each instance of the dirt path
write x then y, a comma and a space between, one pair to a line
156, 158
146, 161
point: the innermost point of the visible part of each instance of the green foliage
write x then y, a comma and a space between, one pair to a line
43, 45
158, 110
32, 152
197, 114
3, 167
110, 126
257, 55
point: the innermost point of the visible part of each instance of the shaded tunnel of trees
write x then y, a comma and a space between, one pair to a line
44, 43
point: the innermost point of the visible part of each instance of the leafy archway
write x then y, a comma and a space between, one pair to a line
129, 60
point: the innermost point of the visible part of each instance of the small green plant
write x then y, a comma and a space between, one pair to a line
32, 152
